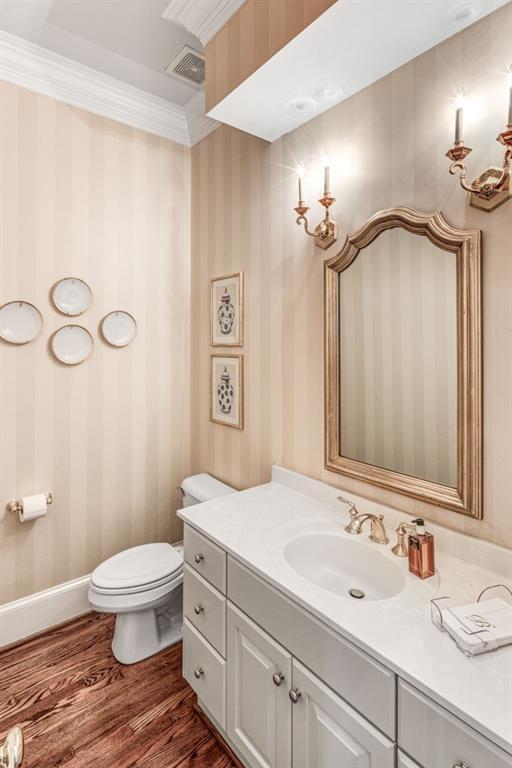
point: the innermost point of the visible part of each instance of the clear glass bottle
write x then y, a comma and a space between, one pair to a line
422, 561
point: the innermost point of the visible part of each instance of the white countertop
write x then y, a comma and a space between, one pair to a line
255, 525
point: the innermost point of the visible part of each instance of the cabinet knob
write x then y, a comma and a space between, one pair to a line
294, 695
461, 764
278, 678
198, 609
198, 557
198, 672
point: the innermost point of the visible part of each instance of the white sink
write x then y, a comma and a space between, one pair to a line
339, 565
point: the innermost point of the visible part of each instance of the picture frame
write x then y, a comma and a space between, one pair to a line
227, 390
227, 310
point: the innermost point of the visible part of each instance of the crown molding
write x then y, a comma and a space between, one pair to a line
202, 19
38, 69
199, 125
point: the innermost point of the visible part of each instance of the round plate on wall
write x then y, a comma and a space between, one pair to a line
72, 344
20, 322
118, 328
71, 296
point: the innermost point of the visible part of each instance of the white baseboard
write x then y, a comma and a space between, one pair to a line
42, 610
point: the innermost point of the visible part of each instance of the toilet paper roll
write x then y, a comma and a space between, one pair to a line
33, 507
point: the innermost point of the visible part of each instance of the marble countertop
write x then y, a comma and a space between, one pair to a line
255, 525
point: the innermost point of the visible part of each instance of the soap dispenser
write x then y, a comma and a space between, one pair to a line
421, 551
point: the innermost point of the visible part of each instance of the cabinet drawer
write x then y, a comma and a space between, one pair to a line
205, 608
206, 558
434, 737
364, 683
205, 670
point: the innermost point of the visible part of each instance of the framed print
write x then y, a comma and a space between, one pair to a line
227, 390
227, 310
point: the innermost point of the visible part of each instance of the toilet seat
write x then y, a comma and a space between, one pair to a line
138, 569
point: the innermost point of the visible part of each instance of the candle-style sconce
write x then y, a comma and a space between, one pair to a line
325, 233
493, 187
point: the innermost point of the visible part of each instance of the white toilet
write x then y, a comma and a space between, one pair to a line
143, 586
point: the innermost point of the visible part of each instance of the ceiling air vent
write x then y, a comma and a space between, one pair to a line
188, 65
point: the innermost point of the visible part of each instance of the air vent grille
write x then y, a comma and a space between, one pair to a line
188, 65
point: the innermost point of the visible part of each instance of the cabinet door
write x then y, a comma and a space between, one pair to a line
258, 681
328, 733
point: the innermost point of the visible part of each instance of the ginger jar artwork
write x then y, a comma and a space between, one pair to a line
225, 392
226, 310
225, 314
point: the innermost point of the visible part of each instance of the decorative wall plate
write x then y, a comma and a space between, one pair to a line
20, 322
118, 328
71, 296
72, 344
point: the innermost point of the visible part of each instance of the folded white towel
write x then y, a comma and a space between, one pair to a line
479, 627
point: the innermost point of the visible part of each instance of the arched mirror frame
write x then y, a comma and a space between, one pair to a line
466, 498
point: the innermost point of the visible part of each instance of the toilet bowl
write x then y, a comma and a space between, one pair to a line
143, 586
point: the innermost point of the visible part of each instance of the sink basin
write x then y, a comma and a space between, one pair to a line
339, 565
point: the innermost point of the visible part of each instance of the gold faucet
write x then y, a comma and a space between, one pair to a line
378, 531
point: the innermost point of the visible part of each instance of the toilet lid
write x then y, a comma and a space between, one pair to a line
138, 566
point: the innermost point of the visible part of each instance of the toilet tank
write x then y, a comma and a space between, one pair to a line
203, 487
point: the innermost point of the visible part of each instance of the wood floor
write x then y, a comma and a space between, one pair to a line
79, 708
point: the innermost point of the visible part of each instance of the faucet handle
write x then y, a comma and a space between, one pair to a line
401, 548
352, 507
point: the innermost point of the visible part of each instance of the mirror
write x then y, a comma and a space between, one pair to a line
403, 359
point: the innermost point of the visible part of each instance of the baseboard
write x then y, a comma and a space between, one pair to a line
42, 610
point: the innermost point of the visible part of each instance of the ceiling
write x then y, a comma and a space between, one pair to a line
130, 41
297, 83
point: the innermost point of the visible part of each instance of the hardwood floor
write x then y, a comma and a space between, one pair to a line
79, 708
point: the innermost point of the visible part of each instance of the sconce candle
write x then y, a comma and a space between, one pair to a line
327, 174
509, 125
300, 172
459, 116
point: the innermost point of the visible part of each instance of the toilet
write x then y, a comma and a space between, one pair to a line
143, 586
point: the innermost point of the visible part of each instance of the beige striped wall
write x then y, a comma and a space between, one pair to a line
389, 141
82, 195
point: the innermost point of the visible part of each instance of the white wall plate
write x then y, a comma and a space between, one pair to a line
118, 328
20, 322
72, 344
71, 296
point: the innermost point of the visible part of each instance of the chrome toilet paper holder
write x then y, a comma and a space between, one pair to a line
16, 505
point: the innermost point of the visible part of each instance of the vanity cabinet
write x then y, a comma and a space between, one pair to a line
286, 691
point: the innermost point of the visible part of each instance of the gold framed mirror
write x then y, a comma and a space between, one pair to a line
403, 359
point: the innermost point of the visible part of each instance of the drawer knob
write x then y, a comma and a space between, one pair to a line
278, 678
461, 764
198, 609
198, 672
294, 695
198, 557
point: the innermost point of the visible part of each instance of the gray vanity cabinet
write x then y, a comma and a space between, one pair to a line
286, 691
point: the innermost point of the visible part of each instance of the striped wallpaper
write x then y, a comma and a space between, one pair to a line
388, 143
82, 195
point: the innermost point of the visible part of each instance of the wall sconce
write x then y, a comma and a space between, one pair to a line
325, 233
492, 188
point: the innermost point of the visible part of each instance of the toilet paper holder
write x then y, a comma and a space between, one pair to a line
16, 505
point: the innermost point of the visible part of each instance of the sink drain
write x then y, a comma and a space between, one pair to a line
357, 593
